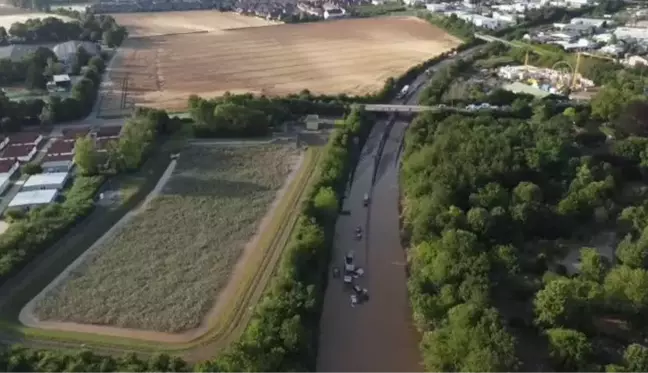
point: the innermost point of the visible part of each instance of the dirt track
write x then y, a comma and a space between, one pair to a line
377, 335
353, 56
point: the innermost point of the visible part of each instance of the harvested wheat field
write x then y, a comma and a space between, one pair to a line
353, 56
164, 270
163, 23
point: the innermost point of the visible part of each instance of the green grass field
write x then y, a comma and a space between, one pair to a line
164, 270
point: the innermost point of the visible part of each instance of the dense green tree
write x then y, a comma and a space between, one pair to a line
570, 350
593, 265
85, 155
473, 339
566, 302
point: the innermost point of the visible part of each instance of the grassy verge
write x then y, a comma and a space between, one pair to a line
224, 329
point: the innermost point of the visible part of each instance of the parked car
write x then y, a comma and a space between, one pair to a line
354, 300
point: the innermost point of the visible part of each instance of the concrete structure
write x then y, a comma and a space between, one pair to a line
33, 198
25, 138
7, 169
58, 163
22, 153
438, 7
52, 180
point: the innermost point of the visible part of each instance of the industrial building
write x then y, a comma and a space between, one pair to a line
17, 52
34, 198
53, 180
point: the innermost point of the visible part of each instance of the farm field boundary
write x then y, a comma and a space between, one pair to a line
231, 319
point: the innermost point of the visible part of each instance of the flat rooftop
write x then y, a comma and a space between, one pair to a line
33, 197
53, 178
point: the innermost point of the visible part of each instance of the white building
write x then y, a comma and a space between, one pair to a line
34, 198
636, 61
593, 22
481, 21
509, 18
638, 33
437, 7
54, 180
7, 169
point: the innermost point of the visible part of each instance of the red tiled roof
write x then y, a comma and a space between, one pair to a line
6, 164
60, 146
17, 151
23, 138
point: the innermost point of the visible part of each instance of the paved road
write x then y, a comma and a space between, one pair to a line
377, 335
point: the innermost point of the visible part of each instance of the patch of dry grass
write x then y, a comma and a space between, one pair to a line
165, 269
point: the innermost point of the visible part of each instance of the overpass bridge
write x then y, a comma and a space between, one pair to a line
391, 108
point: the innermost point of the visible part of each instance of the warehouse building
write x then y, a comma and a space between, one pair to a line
33, 198
8, 168
53, 180
22, 153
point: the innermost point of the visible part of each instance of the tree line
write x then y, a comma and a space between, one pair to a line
85, 26
488, 201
